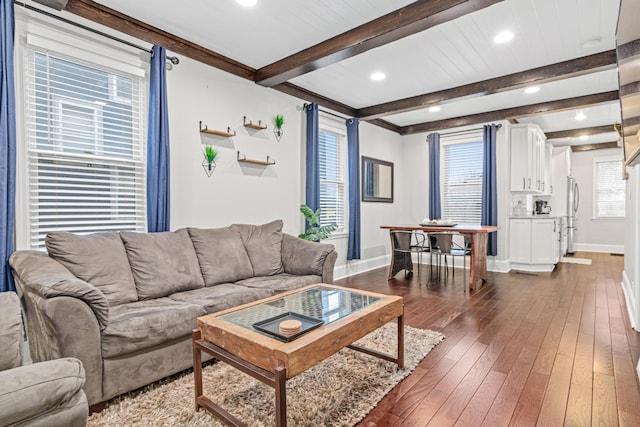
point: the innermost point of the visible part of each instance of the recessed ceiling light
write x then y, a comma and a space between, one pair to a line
377, 76
580, 116
247, 3
503, 37
584, 137
434, 109
532, 89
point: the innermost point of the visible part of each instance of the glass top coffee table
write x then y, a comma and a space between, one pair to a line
248, 338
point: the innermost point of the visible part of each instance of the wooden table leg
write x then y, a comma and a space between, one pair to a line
401, 340
478, 266
281, 396
196, 335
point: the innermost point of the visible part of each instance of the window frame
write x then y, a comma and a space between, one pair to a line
445, 142
595, 192
34, 32
332, 125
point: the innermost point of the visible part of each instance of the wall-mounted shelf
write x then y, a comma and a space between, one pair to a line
251, 125
243, 159
227, 134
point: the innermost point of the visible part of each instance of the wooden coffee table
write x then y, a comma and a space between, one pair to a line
348, 315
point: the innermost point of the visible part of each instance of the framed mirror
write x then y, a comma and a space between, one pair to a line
377, 180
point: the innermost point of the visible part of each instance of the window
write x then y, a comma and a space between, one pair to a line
461, 181
84, 141
609, 188
332, 174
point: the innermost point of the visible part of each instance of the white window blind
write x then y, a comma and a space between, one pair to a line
609, 189
461, 181
332, 178
85, 147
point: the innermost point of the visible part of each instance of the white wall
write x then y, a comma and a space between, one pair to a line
630, 279
416, 154
243, 193
594, 235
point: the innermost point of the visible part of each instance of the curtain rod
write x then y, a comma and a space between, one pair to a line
498, 126
174, 59
306, 107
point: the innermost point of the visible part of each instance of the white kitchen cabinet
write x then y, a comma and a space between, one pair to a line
534, 243
528, 159
520, 236
545, 237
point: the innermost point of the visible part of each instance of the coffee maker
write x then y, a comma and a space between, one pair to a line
542, 207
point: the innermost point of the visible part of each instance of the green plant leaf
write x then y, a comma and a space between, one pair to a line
315, 232
278, 121
210, 153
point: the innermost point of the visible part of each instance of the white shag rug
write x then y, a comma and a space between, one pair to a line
339, 391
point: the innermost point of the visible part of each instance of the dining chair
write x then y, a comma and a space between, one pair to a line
404, 244
443, 246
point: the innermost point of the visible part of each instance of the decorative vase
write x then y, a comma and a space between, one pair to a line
208, 167
278, 133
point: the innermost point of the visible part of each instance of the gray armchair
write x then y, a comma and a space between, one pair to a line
42, 394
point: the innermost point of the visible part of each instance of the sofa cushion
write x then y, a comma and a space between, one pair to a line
221, 255
221, 297
142, 324
99, 259
162, 263
264, 246
280, 282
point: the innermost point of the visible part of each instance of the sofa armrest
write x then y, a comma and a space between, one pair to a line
11, 331
31, 390
301, 256
47, 278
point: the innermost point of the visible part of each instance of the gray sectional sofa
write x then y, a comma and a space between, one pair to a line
125, 303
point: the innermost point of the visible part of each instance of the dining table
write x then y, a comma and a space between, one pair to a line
478, 237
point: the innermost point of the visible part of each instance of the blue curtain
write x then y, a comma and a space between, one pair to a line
489, 215
7, 142
353, 149
435, 209
158, 185
313, 158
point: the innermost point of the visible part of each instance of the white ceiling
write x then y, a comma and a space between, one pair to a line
446, 56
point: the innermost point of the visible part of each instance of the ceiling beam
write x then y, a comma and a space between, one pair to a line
599, 146
403, 22
118, 21
562, 70
307, 95
575, 133
515, 112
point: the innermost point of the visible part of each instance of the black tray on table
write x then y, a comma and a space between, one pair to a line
271, 325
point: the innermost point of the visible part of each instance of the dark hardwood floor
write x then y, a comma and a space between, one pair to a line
521, 350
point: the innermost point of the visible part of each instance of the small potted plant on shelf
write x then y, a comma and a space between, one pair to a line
278, 121
315, 232
209, 163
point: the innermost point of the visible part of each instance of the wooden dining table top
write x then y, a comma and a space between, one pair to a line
458, 228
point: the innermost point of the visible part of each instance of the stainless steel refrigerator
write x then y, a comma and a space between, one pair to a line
573, 202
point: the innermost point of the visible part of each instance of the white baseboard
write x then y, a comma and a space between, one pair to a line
498, 266
592, 247
630, 299
353, 267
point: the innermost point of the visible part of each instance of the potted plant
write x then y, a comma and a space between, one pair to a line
278, 121
315, 232
209, 163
